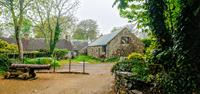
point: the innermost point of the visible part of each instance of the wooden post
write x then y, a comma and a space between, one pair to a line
69, 65
83, 66
54, 66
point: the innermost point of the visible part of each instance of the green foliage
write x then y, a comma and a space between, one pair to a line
4, 62
112, 59
135, 11
135, 56
86, 30
26, 26
174, 25
5, 47
86, 58
42, 60
140, 70
60, 53
32, 54
138, 67
125, 66
147, 42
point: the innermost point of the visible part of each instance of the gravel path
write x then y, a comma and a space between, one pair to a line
99, 81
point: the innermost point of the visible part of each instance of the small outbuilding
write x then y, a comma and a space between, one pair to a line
118, 43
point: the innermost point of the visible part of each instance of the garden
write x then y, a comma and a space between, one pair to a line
170, 63
59, 58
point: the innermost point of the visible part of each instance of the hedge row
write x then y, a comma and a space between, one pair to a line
58, 53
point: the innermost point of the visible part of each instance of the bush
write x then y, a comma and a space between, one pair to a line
5, 47
43, 60
4, 62
60, 53
134, 64
147, 42
125, 66
136, 56
32, 54
140, 70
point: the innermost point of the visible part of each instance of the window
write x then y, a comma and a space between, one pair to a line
125, 40
103, 48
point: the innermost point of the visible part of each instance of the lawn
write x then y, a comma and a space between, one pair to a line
82, 58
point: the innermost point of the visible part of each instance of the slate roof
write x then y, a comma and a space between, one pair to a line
39, 43
105, 39
78, 44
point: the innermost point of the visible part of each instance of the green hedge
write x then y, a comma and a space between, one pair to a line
34, 54
5, 47
4, 62
42, 60
58, 53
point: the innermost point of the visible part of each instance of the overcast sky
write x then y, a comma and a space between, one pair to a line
102, 12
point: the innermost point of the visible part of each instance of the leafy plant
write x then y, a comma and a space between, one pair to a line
174, 25
135, 56
43, 60
5, 47
4, 62
60, 53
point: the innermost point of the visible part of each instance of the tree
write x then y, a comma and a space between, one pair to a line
67, 26
26, 27
52, 15
135, 11
17, 9
86, 30
174, 24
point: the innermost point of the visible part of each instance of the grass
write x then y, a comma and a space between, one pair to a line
81, 58
2, 72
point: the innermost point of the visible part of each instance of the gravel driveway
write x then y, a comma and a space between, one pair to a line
99, 81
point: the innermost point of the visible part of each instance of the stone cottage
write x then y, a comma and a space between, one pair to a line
118, 43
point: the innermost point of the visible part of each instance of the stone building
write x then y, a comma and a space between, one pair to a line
118, 43
34, 44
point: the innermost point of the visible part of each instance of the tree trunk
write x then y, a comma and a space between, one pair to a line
19, 43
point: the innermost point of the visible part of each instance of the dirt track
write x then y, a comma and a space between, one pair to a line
99, 81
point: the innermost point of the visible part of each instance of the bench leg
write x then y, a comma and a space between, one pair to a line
32, 73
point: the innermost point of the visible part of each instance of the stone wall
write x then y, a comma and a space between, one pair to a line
115, 47
125, 84
95, 51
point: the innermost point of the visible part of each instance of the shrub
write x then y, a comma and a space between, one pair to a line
60, 53
4, 62
43, 60
137, 56
147, 42
140, 70
5, 47
124, 66
32, 54
134, 64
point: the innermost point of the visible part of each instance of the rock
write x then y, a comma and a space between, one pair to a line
136, 92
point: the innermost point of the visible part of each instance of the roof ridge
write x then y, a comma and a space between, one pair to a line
105, 39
